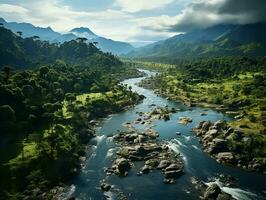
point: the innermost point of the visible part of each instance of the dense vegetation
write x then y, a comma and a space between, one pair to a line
219, 40
50, 96
235, 85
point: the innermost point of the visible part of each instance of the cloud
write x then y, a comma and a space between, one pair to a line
253, 10
12, 10
135, 20
203, 14
61, 18
111, 23
133, 6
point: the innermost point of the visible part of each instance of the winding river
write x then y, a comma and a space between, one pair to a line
150, 186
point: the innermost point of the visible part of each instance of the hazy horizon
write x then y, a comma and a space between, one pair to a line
136, 22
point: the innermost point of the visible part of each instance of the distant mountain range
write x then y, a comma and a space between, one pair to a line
218, 40
106, 45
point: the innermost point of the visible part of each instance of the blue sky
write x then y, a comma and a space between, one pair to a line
123, 20
134, 21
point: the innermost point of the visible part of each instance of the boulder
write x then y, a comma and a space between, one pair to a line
213, 132
152, 163
218, 124
218, 145
152, 134
212, 192
122, 165
166, 117
169, 180
205, 126
173, 174
229, 131
131, 137
199, 126
178, 133
105, 187
173, 167
163, 164
141, 138
184, 120
226, 157
145, 169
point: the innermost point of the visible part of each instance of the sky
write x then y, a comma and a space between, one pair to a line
134, 21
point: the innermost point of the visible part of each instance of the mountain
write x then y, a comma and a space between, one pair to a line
248, 33
28, 30
65, 37
218, 40
20, 53
106, 45
84, 32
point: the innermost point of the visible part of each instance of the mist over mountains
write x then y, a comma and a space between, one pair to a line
224, 39
106, 45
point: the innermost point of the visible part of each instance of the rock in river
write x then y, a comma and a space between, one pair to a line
105, 187
184, 120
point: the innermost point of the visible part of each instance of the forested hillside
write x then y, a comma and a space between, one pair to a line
219, 40
50, 97
27, 30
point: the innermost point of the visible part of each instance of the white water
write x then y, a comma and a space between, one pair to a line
237, 193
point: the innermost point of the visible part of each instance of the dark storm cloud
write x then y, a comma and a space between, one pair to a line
208, 13
254, 9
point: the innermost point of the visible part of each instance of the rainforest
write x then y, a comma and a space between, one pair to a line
172, 107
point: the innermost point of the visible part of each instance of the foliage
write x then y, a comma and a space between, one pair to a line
47, 100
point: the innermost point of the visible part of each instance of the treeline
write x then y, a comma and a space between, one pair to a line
220, 67
50, 97
23, 53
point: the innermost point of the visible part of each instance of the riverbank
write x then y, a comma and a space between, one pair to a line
229, 146
49, 150
247, 111
163, 117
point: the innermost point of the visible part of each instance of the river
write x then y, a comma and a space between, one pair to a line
150, 186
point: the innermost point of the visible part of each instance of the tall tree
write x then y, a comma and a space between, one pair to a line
81, 39
19, 33
7, 70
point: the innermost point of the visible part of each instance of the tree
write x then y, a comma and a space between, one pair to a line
81, 39
43, 71
7, 70
35, 37
7, 113
19, 33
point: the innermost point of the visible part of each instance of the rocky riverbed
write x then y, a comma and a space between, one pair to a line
228, 145
126, 166
144, 147
210, 191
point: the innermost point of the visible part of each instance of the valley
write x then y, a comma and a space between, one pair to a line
172, 107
